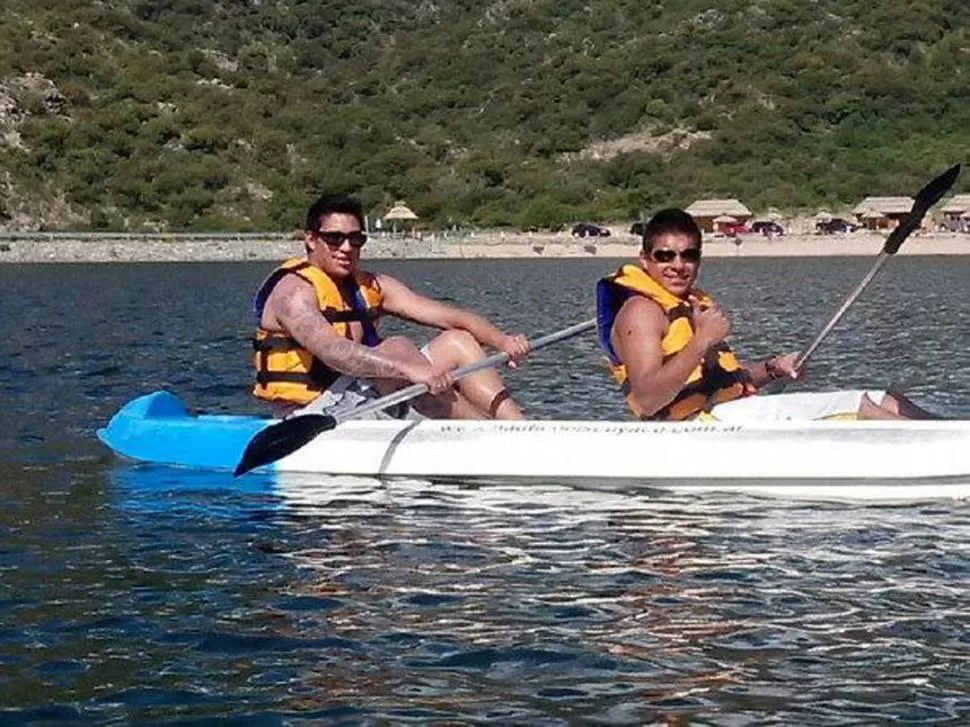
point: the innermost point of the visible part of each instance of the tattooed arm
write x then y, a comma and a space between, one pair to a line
292, 306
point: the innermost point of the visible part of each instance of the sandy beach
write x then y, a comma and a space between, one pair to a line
63, 248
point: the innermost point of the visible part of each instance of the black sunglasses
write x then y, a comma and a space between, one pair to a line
690, 255
335, 238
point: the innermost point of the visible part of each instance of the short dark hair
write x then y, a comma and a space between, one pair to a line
670, 221
333, 204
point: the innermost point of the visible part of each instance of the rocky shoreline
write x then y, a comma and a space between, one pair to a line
93, 249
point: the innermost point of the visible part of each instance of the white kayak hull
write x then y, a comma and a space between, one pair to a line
891, 459
633, 451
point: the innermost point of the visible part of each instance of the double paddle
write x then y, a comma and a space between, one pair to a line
278, 440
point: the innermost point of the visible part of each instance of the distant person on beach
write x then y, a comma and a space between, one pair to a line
666, 344
317, 344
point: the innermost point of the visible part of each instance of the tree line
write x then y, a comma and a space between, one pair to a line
231, 114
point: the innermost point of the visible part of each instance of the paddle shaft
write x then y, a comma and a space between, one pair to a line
846, 304
925, 198
415, 390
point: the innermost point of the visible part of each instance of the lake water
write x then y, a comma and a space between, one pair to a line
150, 595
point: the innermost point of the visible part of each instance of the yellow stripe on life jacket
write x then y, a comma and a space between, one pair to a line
718, 378
285, 370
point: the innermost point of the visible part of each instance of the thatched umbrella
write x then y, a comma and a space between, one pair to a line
724, 220
823, 216
400, 212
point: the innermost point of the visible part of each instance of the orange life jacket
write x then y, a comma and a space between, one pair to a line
718, 378
285, 370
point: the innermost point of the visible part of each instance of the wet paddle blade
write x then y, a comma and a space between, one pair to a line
925, 198
279, 440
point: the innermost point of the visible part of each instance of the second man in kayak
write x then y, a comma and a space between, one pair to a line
666, 342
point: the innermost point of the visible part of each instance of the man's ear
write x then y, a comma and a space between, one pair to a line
310, 240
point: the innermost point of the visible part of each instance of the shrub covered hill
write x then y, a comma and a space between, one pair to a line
231, 114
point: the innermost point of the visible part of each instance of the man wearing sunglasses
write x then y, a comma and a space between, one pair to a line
666, 343
317, 343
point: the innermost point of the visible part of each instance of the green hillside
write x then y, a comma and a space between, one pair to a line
205, 114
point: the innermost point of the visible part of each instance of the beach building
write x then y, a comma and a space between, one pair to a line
956, 213
882, 212
957, 206
713, 214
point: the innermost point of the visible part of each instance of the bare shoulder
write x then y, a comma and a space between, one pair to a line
637, 334
637, 316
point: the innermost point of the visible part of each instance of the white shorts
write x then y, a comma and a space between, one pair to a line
801, 406
347, 393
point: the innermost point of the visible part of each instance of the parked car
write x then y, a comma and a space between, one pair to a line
588, 229
835, 225
732, 229
767, 227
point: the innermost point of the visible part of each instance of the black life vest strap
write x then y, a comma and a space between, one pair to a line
289, 377
274, 343
351, 316
684, 310
320, 376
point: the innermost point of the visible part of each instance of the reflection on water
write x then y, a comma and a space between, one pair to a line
146, 594
409, 600
149, 489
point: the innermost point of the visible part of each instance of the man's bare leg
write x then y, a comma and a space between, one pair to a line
485, 390
449, 405
904, 407
893, 406
868, 409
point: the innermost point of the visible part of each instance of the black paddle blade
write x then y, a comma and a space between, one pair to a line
279, 440
925, 198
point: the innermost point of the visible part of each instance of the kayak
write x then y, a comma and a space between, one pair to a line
869, 459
